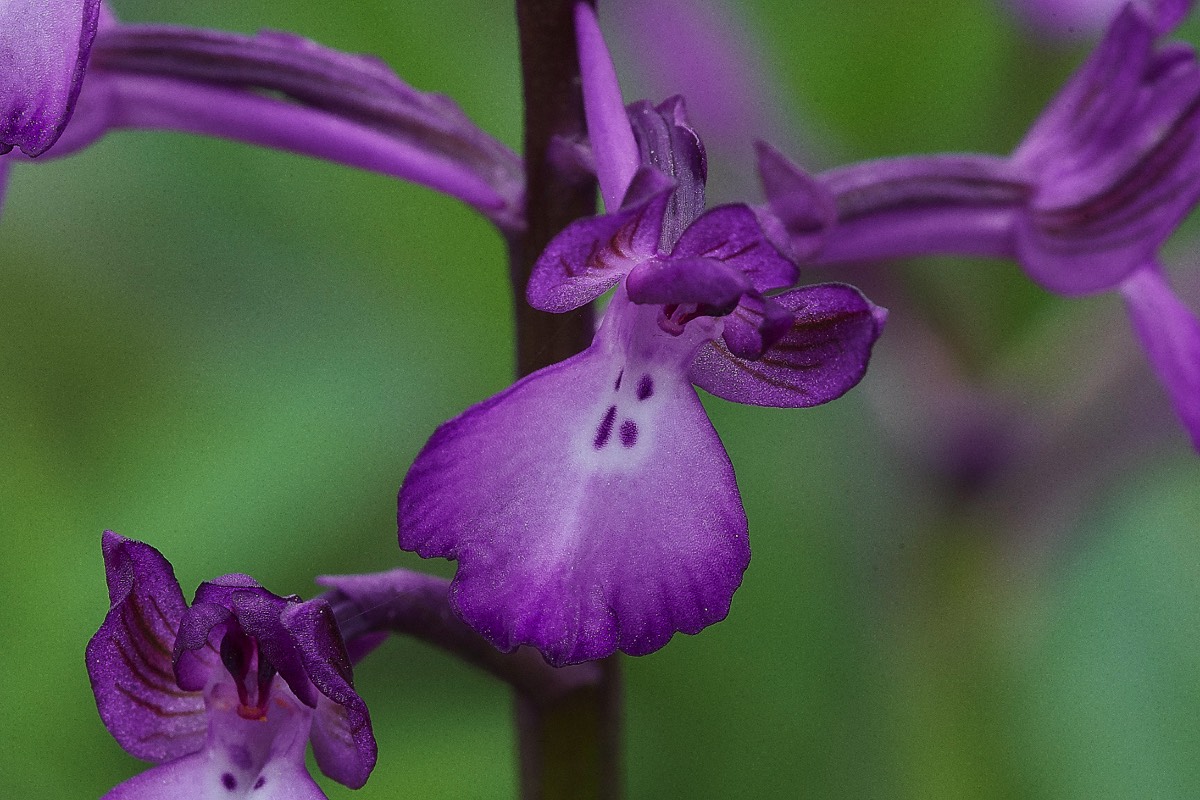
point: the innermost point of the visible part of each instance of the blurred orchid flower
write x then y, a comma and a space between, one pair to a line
591, 506
273, 89
1084, 203
1064, 19
225, 694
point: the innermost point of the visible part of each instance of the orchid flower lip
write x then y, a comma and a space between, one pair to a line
591, 507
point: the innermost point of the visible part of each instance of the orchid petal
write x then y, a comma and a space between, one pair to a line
612, 141
591, 255
731, 234
799, 201
915, 205
822, 356
1093, 100
1170, 333
259, 612
44, 47
1115, 157
1073, 242
281, 91
129, 658
591, 508
341, 735
704, 281
195, 646
757, 323
202, 627
667, 142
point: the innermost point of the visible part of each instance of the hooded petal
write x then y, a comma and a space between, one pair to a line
667, 142
195, 647
341, 735
260, 613
731, 234
44, 47
591, 255
819, 359
704, 281
591, 506
1170, 334
129, 658
203, 626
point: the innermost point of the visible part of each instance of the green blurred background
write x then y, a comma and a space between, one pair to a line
235, 354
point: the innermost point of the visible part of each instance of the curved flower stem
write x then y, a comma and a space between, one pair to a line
417, 605
570, 746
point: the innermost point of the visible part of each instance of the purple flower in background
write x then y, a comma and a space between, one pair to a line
1102, 179
1065, 18
274, 89
223, 695
591, 506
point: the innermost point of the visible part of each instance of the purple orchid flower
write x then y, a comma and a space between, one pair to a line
1084, 203
591, 506
225, 694
274, 89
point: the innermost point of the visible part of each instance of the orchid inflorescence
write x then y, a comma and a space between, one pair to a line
591, 506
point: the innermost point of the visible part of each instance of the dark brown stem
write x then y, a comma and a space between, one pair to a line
554, 197
570, 746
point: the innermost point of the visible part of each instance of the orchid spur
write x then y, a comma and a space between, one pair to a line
225, 694
591, 507
1103, 177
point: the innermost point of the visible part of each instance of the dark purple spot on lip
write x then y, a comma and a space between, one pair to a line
645, 387
261, 782
617, 385
605, 429
228, 781
629, 432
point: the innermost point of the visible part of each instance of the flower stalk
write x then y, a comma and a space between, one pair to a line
570, 746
